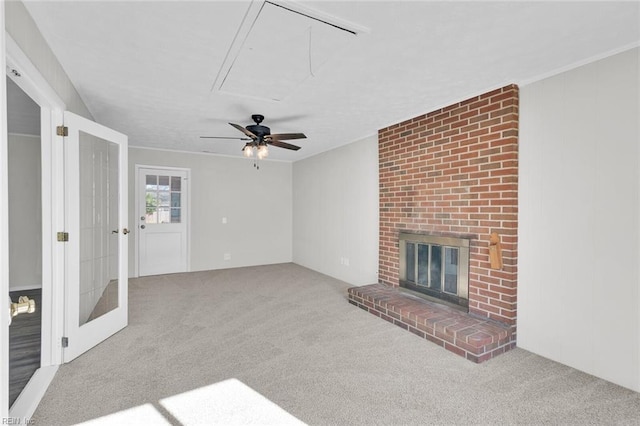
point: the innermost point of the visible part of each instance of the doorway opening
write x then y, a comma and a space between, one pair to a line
25, 234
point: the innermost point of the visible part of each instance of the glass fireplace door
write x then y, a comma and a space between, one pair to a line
435, 266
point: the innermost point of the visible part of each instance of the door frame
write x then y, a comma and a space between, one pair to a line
53, 253
4, 232
138, 213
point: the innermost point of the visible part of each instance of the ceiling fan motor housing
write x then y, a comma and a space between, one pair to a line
258, 130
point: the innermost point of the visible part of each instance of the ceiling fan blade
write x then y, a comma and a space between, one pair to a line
283, 145
286, 136
243, 130
225, 137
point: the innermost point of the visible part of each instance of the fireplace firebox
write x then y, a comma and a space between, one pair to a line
436, 266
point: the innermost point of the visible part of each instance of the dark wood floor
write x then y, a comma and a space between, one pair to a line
24, 344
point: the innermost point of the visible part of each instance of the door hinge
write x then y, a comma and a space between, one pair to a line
65, 342
62, 131
63, 237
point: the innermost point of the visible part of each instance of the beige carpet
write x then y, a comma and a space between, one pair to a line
249, 345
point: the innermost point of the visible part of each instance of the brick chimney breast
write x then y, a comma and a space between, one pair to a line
454, 172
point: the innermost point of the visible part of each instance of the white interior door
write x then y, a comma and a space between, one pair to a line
162, 215
96, 300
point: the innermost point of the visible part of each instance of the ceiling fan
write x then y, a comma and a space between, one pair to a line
259, 137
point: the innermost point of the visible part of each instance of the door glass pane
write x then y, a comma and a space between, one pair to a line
151, 202
176, 183
423, 264
152, 182
163, 198
163, 183
411, 262
151, 199
163, 214
175, 199
436, 264
99, 227
175, 215
451, 270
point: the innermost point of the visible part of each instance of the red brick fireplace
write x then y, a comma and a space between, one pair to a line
454, 173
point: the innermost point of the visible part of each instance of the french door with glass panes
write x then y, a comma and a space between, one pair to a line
96, 295
162, 216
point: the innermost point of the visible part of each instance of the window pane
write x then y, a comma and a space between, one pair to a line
175, 215
175, 199
176, 183
152, 182
150, 199
436, 265
151, 205
163, 215
163, 183
163, 198
423, 264
411, 262
152, 217
451, 270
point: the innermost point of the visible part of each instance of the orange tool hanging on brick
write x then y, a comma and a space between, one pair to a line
495, 251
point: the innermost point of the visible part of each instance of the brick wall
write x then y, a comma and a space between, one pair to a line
454, 172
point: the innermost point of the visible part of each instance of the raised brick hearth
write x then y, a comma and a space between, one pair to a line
453, 173
474, 338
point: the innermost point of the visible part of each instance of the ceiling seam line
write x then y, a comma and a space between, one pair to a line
314, 18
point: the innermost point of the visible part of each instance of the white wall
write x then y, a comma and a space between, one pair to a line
25, 33
335, 212
25, 212
579, 234
256, 203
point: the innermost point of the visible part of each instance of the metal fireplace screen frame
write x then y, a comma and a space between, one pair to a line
440, 266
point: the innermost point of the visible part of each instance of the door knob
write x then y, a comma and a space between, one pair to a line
24, 306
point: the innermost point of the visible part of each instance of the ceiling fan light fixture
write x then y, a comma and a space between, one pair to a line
263, 151
247, 151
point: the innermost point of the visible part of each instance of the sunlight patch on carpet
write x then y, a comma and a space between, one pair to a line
142, 415
229, 402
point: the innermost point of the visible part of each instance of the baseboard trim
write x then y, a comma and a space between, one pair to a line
25, 288
27, 402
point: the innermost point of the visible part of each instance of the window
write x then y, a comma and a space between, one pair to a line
163, 199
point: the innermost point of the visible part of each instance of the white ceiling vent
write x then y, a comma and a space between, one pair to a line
277, 47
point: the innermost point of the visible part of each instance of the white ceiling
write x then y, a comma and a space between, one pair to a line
155, 70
